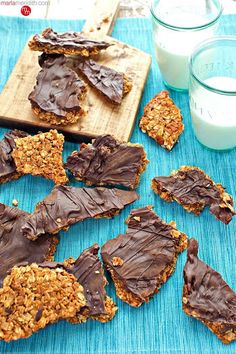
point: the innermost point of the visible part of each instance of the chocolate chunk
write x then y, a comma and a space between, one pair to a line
71, 43
58, 93
66, 205
107, 81
144, 258
194, 190
108, 162
207, 297
89, 272
7, 165
15, 248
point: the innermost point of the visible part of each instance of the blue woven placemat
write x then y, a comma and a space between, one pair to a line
160, 326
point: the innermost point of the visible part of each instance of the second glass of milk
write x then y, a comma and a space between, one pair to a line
178, 26
212, 92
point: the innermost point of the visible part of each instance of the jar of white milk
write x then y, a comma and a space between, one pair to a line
212, 92
178, 26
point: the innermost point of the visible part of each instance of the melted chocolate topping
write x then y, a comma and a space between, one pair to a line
69, 40
208, 295
66, 205
16, 249
146, 250
58, 88
106, 80
7, 164
193, 187
107, 162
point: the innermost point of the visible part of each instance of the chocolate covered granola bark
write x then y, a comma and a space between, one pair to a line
15, 248
162, 120
207, 297
67, 205
41, 155
111, 83
71, 43
58, 93
89, 273
194, 190
8, 170
108, 162
33, 297
145, 257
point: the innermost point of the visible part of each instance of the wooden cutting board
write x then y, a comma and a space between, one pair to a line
103, 117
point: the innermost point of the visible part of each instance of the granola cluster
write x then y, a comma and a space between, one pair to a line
41, 155
32, 297
162, 120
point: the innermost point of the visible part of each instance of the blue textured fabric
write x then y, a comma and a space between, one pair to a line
160, 326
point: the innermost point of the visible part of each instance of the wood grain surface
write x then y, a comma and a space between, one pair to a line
102, 116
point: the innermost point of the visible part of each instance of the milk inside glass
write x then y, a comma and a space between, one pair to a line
213, 115
173, 48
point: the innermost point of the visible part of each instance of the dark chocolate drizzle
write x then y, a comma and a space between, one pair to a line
69, 40
67, 205
7, 164
107, 81
192, 187
58, 88
16, 249
107, 162
147, 249
209, 296
89, 272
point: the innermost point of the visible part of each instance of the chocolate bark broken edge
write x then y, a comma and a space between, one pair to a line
70, 164
56, 48
124, 292
225, 332
196, 208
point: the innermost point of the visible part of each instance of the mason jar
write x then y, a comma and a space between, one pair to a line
212, 92
178, 26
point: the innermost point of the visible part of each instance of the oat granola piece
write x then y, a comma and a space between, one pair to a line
33, 296
71, 43
15, 248
67, 205
108, 162
207, 297
193, 189
89, 273
144, 258
111, 83
8, 170
162, 120
41, 155
58, 93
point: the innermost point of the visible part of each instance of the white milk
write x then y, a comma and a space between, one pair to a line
173, 48
213, 114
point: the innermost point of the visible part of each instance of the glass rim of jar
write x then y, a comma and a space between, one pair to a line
198, 50
182, 28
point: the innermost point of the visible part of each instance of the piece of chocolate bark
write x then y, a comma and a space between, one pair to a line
89, 273
8, 170
207, 297
67, 205
41, 155
162, 120
15, 248
145, 257
111, 83
58, 93
33, 297
108, 162
71, 43
193, 189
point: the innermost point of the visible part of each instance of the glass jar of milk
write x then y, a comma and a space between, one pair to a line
212, 92
178, 26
